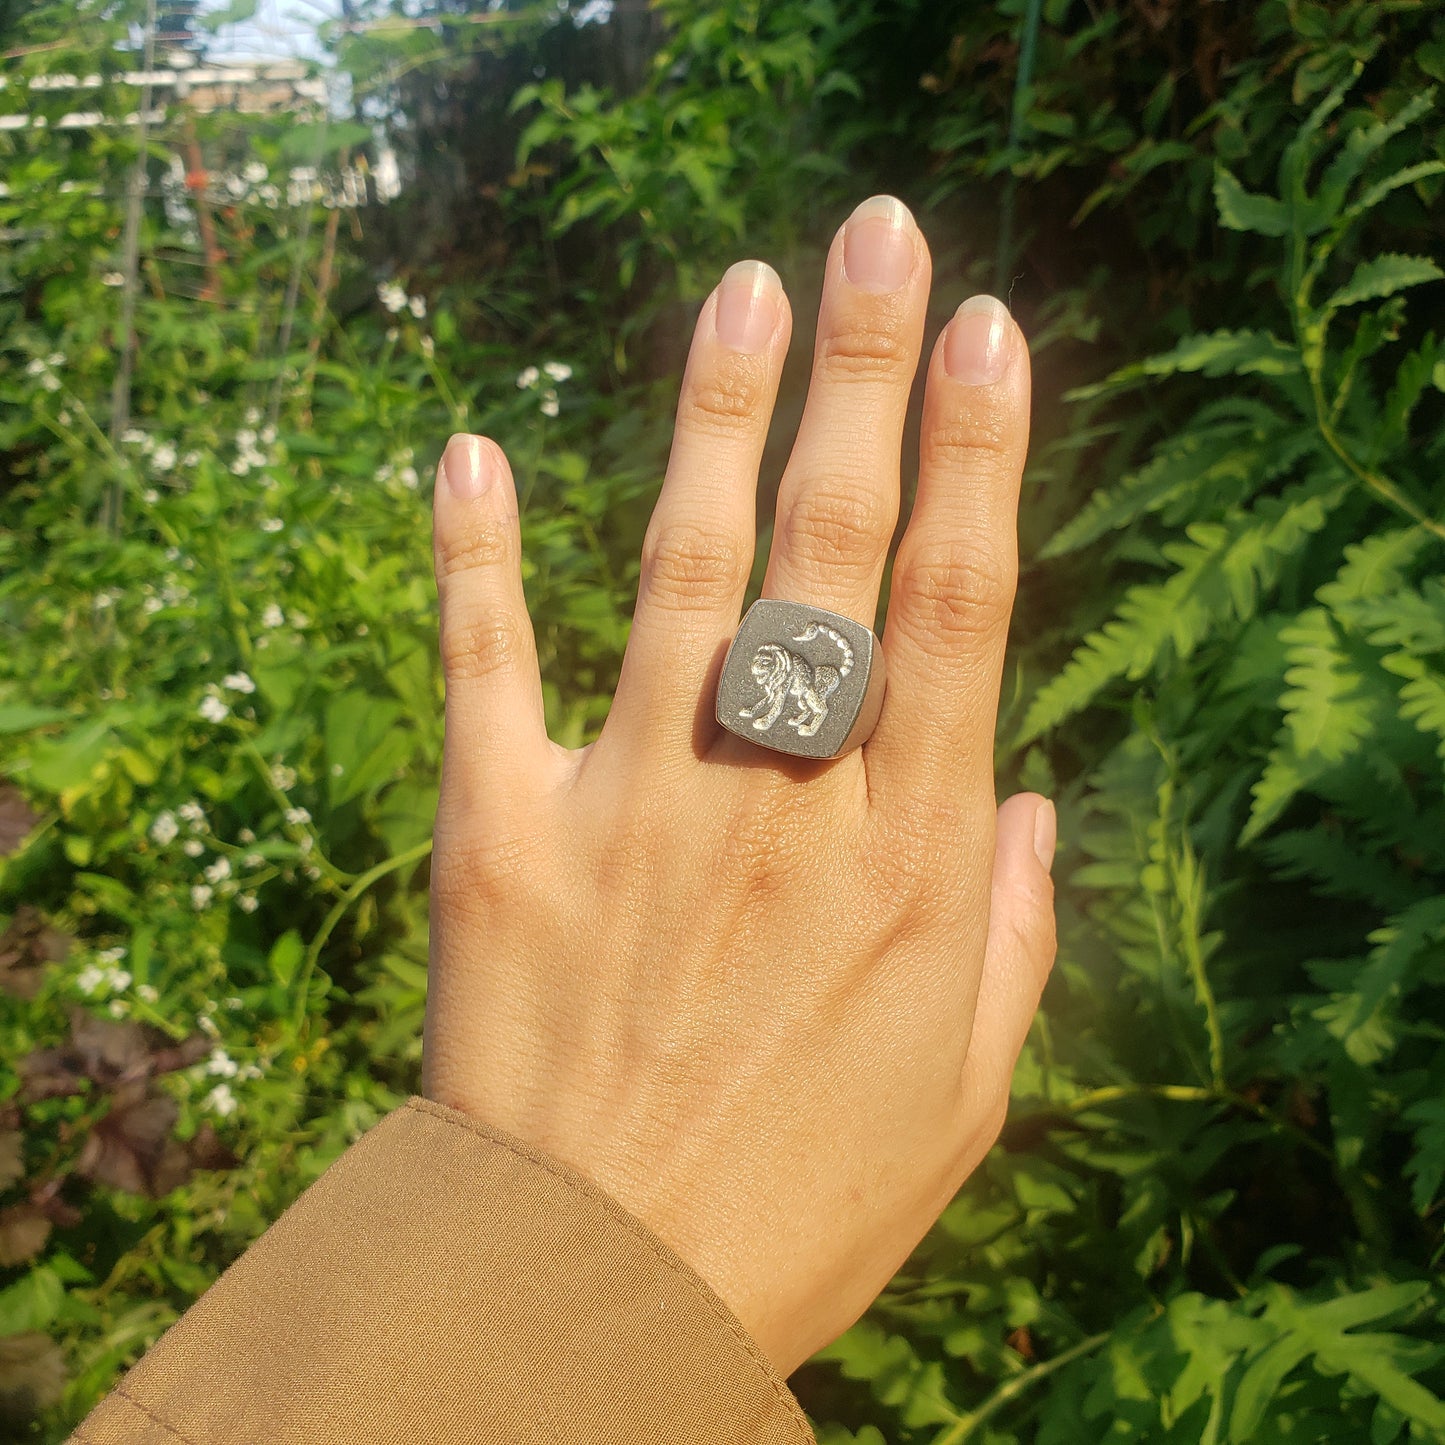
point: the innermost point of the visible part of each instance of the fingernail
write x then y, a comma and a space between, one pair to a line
467, 467
747, 306
976, 351
1046, 834
878, 245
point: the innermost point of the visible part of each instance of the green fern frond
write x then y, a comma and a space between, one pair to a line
1374, 567
1220, 571
1212, 353
1365, 1000
1224, 461
1329, 711
1382, 276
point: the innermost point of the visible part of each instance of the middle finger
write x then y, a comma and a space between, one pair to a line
838, 501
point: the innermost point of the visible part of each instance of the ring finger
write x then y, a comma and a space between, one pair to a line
838, 501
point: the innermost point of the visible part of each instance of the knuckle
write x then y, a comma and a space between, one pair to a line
862, 352
956, 592
477, 548
837, 527
475, 648
725, 401
686, 565
970, 443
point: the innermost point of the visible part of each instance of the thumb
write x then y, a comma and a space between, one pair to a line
1017, 961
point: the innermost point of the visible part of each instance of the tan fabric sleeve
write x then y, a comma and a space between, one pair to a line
444, 1282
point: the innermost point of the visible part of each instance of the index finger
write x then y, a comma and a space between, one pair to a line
954, 577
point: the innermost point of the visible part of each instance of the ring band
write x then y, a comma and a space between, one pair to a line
801, 680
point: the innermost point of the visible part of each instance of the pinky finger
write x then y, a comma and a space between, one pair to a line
1017, 963
496, 732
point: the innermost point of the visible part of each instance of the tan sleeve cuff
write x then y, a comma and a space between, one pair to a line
443, 1282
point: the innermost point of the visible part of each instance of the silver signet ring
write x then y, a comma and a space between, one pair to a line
801, 680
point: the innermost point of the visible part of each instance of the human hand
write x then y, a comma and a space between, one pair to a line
771, 1006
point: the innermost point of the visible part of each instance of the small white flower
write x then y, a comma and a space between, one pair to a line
221, 1101
165, 827
146, 993
248, 903
312, 872
119, 979
104, 600
112, 278
164, 457
272, 616
200, 896
253, 173
133, 436
246, 836
221, 1065
150, 496
250, 1071
417, 306
253, 860
218, 871
271, 524
172, 553
337, 770
549, 403
117, 1008
35, 367
408, 478
392, 296
282, 777
152, 605
111, 955
234, 1002
297, 817
299, 620
558, 370
307, 843
193, 847
428, 347
207, 1026
191, 812
238, 682
90, 978
213, 710
528, 378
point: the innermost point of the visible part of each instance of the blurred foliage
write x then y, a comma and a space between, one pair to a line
1215, 1214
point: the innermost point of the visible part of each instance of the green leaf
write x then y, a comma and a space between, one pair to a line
1383, 276
1241, 210
310, 144
285, 956
1426, 1166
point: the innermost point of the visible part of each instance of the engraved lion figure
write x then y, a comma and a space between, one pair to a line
783, 674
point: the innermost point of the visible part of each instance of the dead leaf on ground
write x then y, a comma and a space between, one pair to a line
17, 819
106, 1053
130, 1147
27, 947
24, 1228
12, 1156
32, 1375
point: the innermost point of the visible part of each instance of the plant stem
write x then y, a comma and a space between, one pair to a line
969, 1425
130, 283
413, 854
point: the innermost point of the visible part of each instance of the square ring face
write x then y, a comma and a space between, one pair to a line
800, 680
